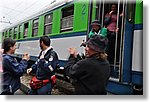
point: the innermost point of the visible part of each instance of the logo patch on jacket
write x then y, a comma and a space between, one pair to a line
51, 58
50, 67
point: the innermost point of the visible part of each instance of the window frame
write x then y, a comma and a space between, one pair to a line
3, 34
19, 32
15, 32
10, 33
67, 19
34, 28
48, 24
26, 26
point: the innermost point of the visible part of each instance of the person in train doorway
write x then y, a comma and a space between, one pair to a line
89, 75
12, 70
44, 69
96, 29
110, 23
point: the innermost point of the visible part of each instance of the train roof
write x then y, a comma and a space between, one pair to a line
46, 9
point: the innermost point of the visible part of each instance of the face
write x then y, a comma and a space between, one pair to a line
13, 49
95, 28
41, 45
113, 8
89, 52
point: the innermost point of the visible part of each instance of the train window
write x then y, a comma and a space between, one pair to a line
6, 34
3, 35
67, 18
35, 27
25, 30
10, 33
48, 24
131, 12
15, 33
19, 34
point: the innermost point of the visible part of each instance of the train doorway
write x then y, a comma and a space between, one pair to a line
111, 16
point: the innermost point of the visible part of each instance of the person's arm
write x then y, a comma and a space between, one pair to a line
107, 19
72, 68
15, 68
90, 34
33, 68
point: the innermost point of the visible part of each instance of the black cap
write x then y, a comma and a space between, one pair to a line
95, 22
97, 43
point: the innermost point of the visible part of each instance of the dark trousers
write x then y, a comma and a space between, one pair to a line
45, 90
111, 47
6, 90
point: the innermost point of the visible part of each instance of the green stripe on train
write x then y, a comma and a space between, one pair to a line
139, 12
80, 16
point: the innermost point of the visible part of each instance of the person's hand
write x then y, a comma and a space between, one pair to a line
1, 51
83, 44
111, 12
121, 14
26, 56
117, 29
29, 70
73, 52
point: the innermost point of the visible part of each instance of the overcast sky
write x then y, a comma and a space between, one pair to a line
13, 11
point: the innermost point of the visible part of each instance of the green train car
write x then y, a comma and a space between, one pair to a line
68, 23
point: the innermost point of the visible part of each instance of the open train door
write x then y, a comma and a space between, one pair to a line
121, 56
98, 10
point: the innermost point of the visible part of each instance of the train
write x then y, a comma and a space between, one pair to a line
68, 23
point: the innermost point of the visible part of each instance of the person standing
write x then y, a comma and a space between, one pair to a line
90, 75
110, 23
12, 70
44, 68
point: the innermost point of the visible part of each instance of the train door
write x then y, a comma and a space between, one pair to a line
115, 32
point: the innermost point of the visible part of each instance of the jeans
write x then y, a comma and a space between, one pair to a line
45, 90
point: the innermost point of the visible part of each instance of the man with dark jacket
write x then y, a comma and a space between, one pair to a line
44, 68
91, 74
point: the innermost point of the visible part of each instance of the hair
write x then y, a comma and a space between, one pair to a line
7, 43
115, 5
102, 56
45, 40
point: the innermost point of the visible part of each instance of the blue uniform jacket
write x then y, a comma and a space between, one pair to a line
12, 71
45, 68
